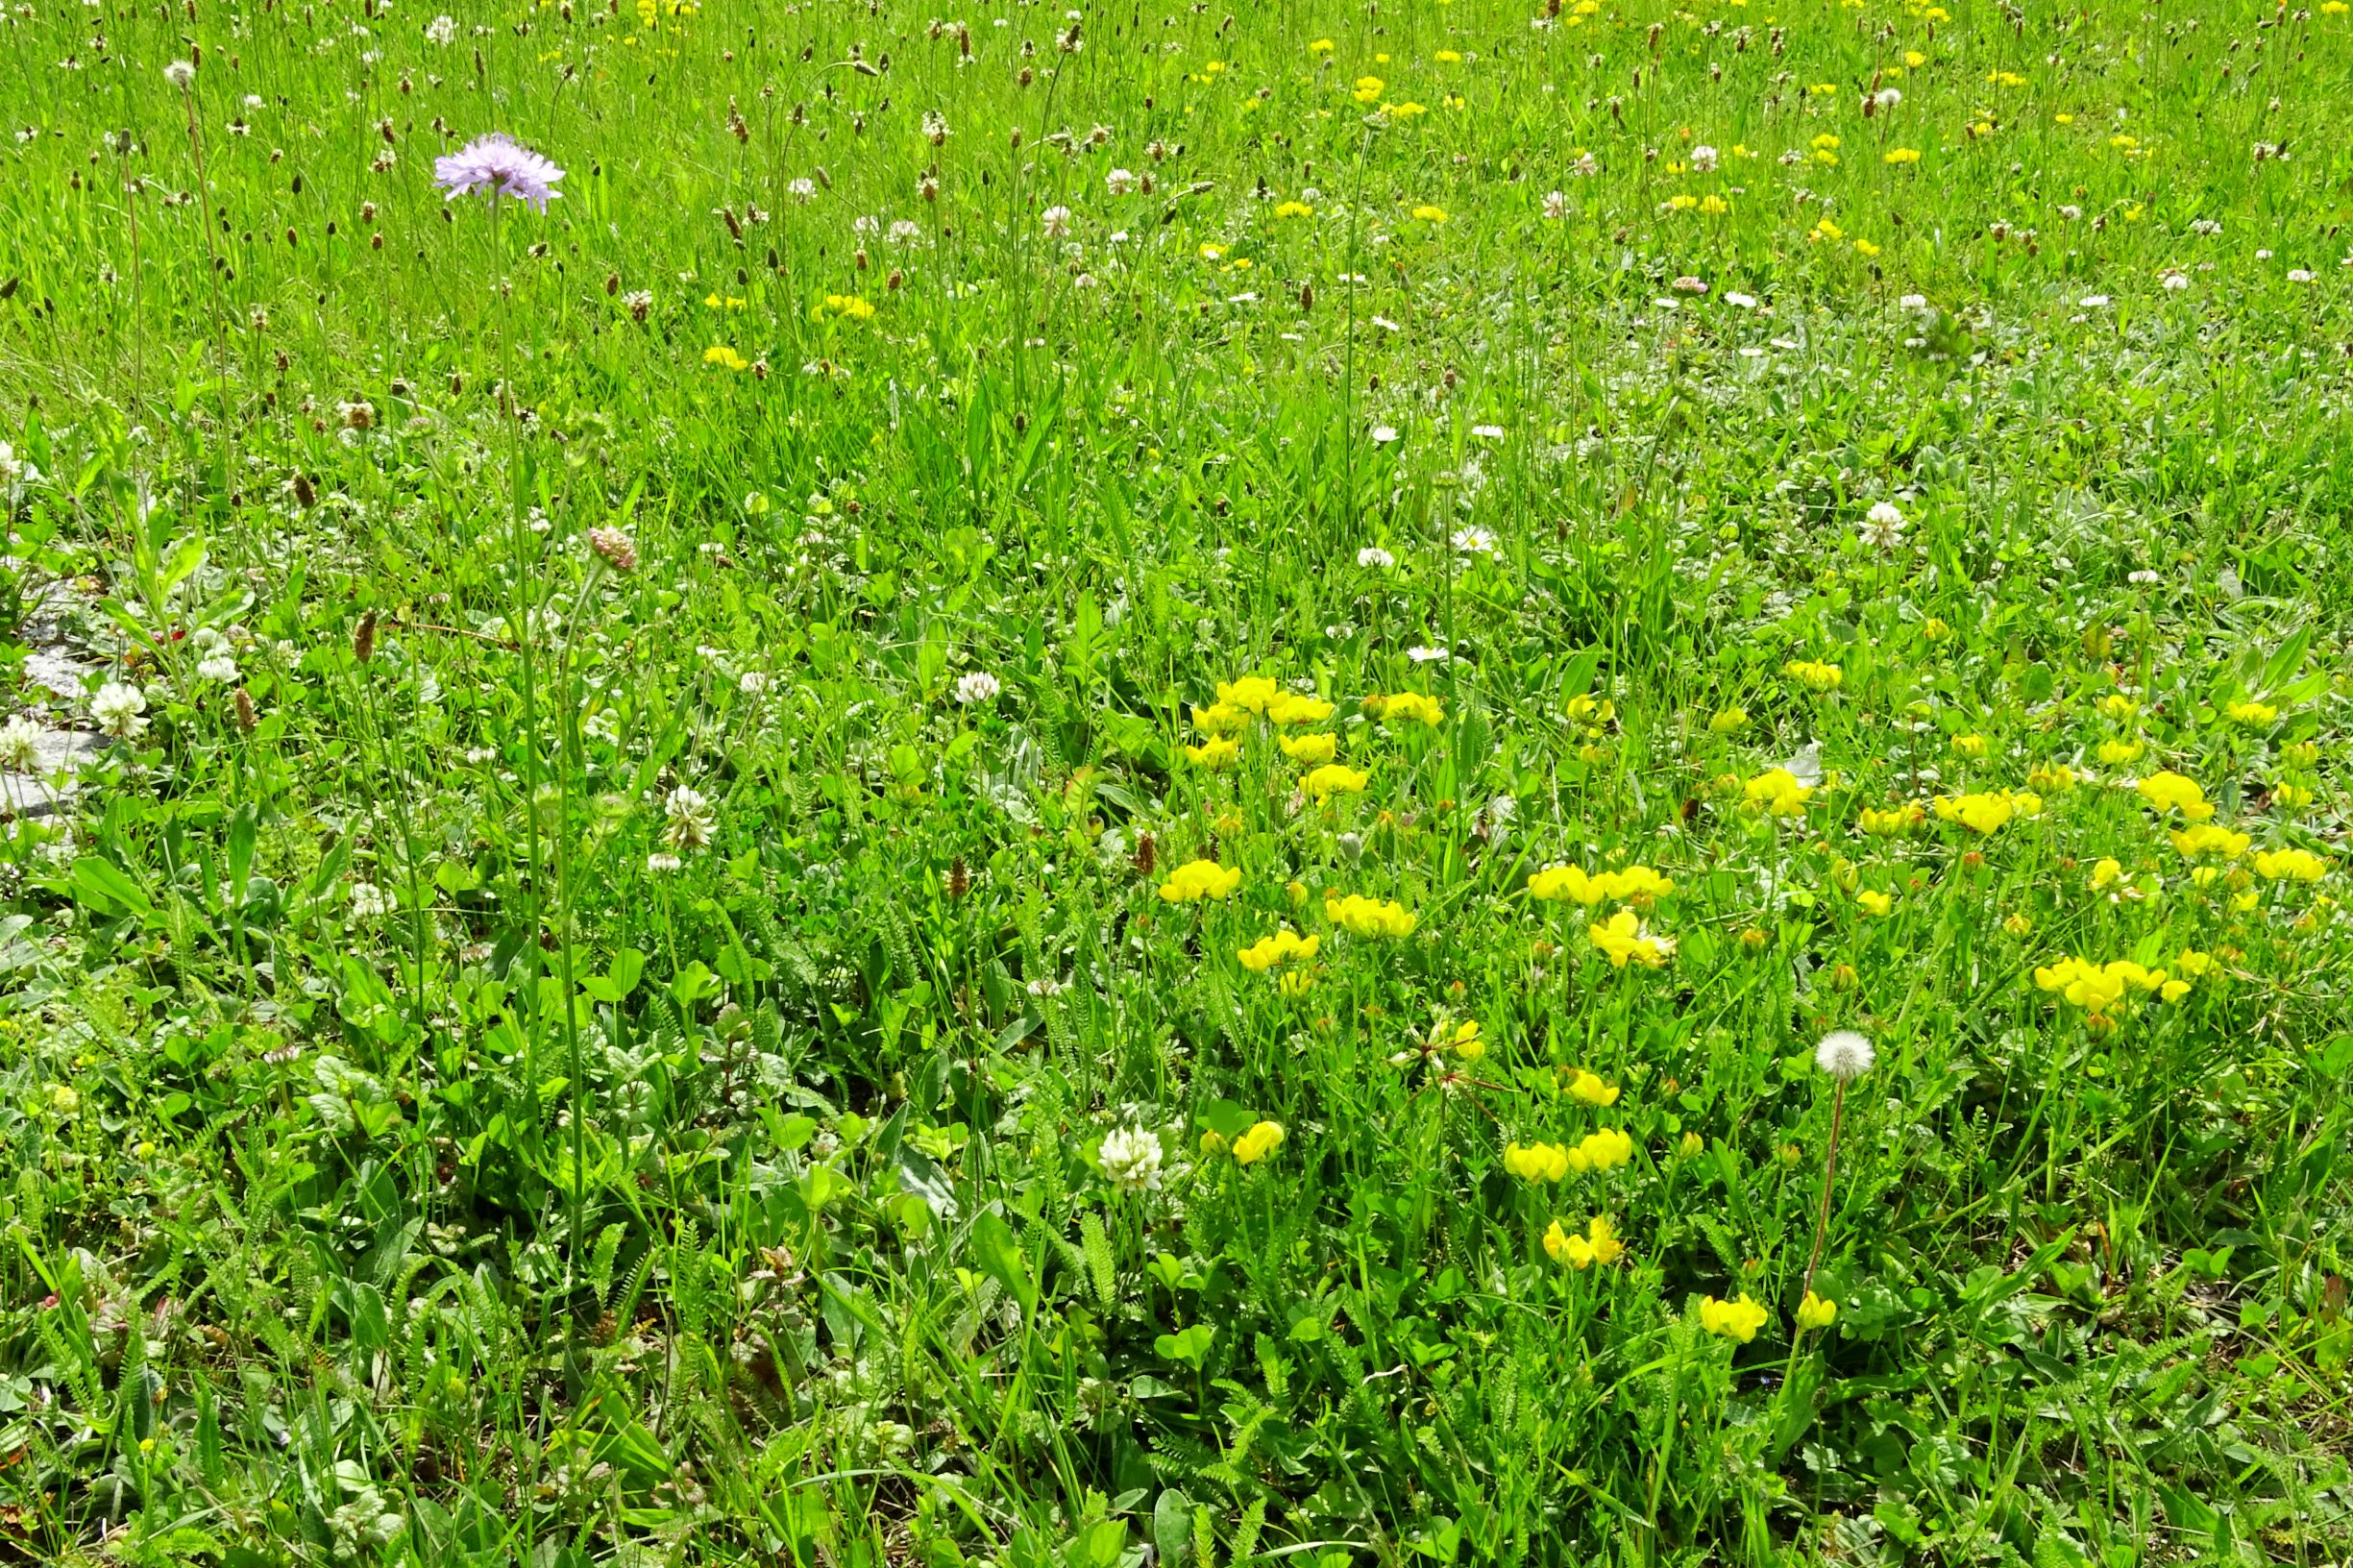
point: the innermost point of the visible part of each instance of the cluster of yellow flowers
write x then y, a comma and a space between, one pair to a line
1815, 675
1631, 885
1333, 779
1238, 701
1776, 793
1200, 880
1369, 917
1308, 750
1285, 946
1988, 811
1736, 1320
2097, 987
1406, 707
2168, 791
1886, 822
1603, 1150
1261, 1140
1590, 1087
1600, 1244
2201, 839
1623, 938
2290, 865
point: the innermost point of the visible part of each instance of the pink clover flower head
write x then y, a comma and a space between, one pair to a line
501, 167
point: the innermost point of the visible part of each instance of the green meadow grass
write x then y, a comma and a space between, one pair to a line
617, 985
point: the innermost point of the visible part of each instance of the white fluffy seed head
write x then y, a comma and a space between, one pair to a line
179, 73
1844, 1055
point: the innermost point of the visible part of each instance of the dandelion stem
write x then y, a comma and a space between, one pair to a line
1829, 1167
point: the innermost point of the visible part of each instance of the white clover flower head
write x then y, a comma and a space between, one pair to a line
689, 824
1057, 221
1555, 204
1739, 301
661, 863
1131, 1157
1913, 302
117, 707
1119, 182
977, 687
1845, 1055
441, 29
1883, 526
369, 902
20, 744
220, 666
1374, 557
179, 73
1384, 434
1704, 158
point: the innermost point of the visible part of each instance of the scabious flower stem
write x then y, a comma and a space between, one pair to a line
526, 635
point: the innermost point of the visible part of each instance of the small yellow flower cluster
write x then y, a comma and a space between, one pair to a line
1988, 811
1261, 1140
2290, 865
2097, 987
1776, 793
2206, 839
1816, 1312
1600, 1244
1888, 822
1623, 938
1406, 707
1230, 715
1200, 880
1285, 946
1591, 1088
1633, 884
2168, 791
1332, 778
1603, 1150
1216, 753
1812, 674
1736, 1320
1369, 917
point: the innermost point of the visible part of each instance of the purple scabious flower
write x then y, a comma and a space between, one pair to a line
501, 165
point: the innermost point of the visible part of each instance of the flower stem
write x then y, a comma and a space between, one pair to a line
1829, 1167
